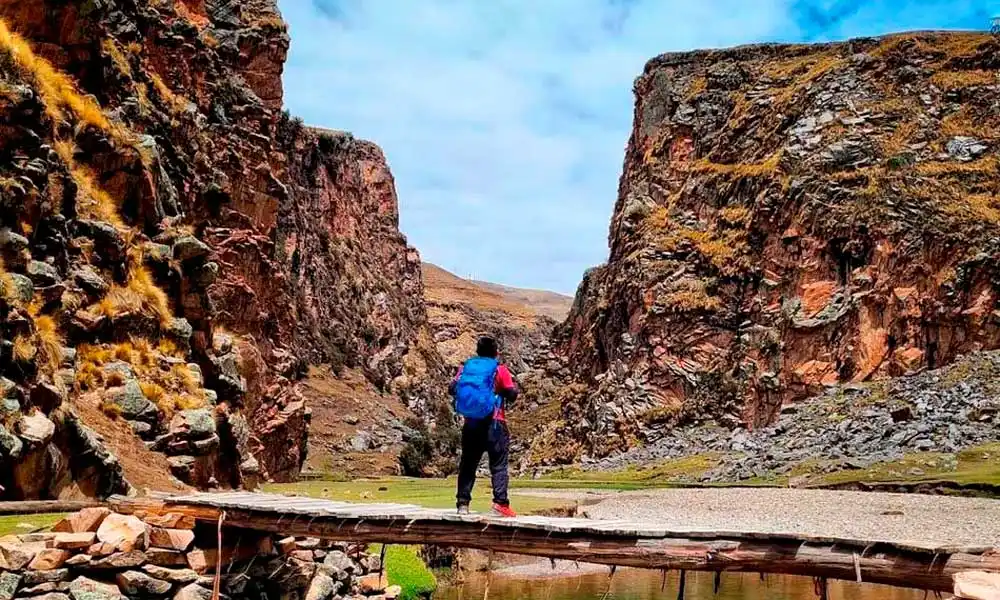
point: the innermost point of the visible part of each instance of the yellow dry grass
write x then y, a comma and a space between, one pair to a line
950, 80
57, 91
175, 102
49, 342
24, 350
768, 167
171, 388
690, 295
117, 57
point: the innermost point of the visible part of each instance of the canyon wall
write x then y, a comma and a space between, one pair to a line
788, 218
177, 251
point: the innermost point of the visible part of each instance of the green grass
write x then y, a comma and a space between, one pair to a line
978, 465
430, 493
405, 568
17, 524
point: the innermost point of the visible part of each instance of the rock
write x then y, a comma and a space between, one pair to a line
49, 559
124, 532
393, 592
205, 275
43, 274
171, 575
17, 556
35, 429
74, 541
339, 565
9, 583
86, 520
287, 545
193, 424
45, 588
965, 148
24, 288
179, 328
80, 560
137, 583
90, 281
101, 549
132, 402
47, 395
322, 587
120, 560
193, 592
52, 596
181, 466
188, 247
40, 576
171, 539
11, 446
372, 583
166, 558
170, 521
83, 588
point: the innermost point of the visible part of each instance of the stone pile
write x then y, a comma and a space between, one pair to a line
96, 554
846, 427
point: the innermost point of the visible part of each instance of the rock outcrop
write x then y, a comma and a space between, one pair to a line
177, 251
459, 311
789, 217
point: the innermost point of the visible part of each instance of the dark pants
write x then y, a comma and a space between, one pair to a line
491, 437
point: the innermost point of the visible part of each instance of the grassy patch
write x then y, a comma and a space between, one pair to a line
17, 524
430, 493
405, 568
977, 465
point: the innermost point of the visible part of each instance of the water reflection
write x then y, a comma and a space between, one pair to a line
636, 584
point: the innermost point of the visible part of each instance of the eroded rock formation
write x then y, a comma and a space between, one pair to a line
177, 250
788, 217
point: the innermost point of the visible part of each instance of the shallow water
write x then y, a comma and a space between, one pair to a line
635, 584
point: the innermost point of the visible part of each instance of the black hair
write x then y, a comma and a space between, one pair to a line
486, 347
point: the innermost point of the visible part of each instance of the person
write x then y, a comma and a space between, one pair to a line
482, 389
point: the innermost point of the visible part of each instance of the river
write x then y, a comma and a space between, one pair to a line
636, 584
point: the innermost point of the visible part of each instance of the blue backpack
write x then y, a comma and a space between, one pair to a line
475, 396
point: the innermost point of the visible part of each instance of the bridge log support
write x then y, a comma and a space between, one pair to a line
883, 563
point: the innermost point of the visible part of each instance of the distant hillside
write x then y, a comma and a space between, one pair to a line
460, 310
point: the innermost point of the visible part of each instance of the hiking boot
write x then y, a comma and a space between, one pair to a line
503, 510
463, 509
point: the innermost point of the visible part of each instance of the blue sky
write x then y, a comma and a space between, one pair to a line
505, 121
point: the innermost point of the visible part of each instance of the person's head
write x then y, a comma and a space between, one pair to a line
486, 347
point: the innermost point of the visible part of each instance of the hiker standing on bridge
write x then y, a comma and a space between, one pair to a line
481, 390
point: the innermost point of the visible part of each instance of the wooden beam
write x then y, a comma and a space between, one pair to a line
34, 507
880, 564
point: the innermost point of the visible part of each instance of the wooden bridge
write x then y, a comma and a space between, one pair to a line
915, 563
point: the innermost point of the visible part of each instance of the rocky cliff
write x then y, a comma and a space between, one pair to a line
459, 311
788, 217
177, 250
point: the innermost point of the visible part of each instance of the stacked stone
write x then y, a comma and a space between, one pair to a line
96, 554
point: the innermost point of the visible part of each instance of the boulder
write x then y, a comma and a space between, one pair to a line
11, 446
86, 520
48, 395
17, 556
120, 560
80, 560
47, 576
9, 582
101, 549
166, 558
322, 587
205, 275
188, 247
372, 583
171, 575
23, 286
179, 328
83, 588
90, 281
193, 591
36, 429
74, 541
124, 532
193, 424
392, 592
171, 539
44, 588
133, 403
49, 559
43, 274
52, 596
137, 583
170, 521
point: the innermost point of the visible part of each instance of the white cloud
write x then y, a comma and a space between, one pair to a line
505, 121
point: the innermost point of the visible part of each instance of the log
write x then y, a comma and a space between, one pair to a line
882, 563
35, 507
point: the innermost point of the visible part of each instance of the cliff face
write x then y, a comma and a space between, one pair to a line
788, 217
460, 311
177, 251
